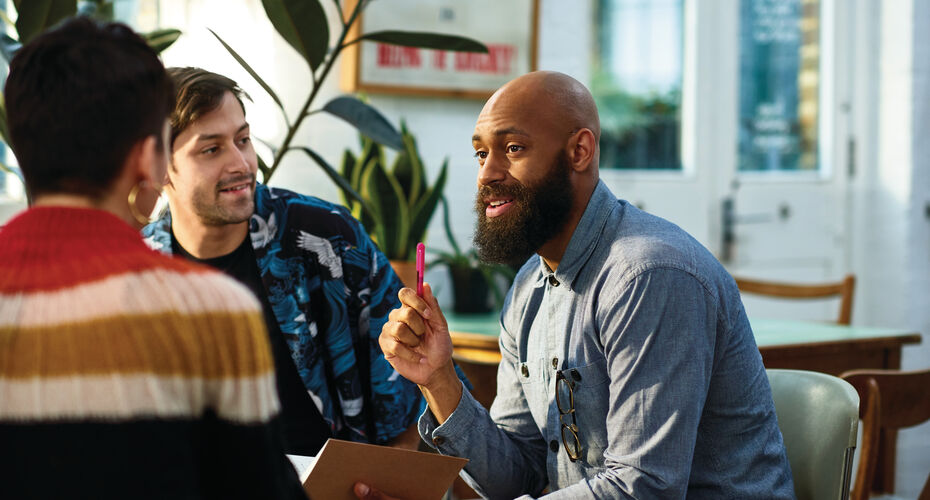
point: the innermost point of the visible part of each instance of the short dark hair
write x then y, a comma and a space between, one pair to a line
198, 92
79, 97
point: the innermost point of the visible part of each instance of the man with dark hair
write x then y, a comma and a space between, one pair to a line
123, 373
74, 135
629, 368
325, 287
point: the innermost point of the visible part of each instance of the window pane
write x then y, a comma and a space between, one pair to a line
637, 82
779, 84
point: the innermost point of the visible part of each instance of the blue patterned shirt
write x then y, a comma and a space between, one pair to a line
331, 291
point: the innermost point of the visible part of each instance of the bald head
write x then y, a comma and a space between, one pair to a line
555, 102
558, 98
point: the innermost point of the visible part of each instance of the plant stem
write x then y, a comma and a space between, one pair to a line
317, 84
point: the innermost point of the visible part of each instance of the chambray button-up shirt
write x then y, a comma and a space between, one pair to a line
670, 395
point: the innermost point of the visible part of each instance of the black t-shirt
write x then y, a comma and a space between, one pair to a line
304, 428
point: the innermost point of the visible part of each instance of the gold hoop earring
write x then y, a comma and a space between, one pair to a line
133, 209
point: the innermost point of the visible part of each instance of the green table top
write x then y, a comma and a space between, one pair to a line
768, 332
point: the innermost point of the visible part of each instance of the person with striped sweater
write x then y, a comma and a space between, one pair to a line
124, 373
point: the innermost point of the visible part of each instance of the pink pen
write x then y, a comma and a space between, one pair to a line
421, 267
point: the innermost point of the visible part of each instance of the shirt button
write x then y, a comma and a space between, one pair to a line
439, 440
554, 446
553, 281
555, 363
524, 370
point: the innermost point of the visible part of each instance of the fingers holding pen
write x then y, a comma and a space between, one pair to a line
395, 350
406, 316
401, 332
409, 298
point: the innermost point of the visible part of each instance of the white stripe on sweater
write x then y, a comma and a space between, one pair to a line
245, 400
149, 292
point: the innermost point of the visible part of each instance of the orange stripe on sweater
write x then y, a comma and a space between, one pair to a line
207, 345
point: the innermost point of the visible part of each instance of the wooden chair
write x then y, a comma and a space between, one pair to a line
842, 289
892, 400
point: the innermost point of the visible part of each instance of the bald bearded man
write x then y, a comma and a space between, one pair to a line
629, 368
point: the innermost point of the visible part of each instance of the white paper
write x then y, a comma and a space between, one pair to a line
303, 464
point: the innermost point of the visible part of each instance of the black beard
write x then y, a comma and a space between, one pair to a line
538, 214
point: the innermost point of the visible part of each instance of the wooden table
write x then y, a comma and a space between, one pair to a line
800, 345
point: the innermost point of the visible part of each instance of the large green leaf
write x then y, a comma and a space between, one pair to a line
252, 73
303, 25
348, 164
382, 189
10, 25
333, 175
426, 40
345, 171
418, 181
368, 120
371, 150
160, 40
404, 170
4, 129
423, 211
448, 225
263, 168
350, 171
102, 11
12, 170
404, 173
8, 47
35, 16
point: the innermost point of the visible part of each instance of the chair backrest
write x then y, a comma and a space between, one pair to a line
843, 289
818, 415
896, 399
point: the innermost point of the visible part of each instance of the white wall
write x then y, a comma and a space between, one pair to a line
918, 243
891, 238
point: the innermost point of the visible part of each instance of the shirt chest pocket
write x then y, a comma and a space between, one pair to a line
534, 379
590, 395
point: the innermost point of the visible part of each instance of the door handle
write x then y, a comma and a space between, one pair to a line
730, 219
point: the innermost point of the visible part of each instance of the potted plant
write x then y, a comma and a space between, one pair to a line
394, 204
304, 26
473, 281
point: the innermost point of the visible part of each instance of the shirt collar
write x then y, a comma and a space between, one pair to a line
584, 239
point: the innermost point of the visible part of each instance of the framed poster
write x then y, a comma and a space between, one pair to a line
508, 28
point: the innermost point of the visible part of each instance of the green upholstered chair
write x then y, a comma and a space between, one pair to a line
818, 415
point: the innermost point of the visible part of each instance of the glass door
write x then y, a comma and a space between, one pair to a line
756, 112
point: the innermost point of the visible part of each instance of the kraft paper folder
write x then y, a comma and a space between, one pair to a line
407, 474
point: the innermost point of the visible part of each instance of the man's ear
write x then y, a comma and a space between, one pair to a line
582, 147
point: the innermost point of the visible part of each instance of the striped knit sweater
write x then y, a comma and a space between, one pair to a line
128, 374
